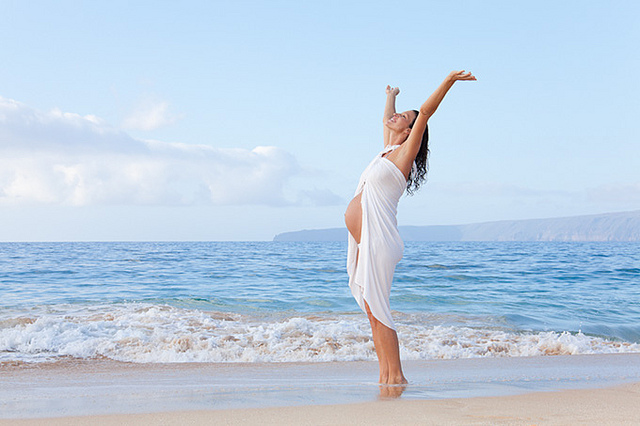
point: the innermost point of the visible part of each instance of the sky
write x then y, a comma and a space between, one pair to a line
206, 120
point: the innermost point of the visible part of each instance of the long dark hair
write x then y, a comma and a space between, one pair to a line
419, 173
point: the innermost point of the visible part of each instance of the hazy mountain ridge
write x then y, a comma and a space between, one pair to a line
601, 227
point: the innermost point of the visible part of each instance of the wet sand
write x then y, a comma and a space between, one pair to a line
591, 389
609, 406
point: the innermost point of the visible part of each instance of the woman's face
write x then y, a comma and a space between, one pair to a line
400, 122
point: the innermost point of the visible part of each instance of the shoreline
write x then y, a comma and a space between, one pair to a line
611, 405
104, 388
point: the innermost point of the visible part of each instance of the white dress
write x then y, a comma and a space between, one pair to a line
371, 264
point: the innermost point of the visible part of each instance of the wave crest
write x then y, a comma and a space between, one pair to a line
148, 333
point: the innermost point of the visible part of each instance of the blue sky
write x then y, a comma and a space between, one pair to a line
239, 120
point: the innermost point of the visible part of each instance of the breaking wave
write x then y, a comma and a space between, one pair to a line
150, 333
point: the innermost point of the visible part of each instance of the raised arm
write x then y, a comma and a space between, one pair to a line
412, 145
389, 110
431, 105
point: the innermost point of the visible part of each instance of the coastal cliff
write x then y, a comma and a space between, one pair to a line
602, 227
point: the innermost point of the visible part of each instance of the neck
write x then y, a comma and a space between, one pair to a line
396, 138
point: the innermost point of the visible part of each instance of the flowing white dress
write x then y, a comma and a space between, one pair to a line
371, 264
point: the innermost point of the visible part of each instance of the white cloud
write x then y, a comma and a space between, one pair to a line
64, 158
626, 194
319, 197
150, 115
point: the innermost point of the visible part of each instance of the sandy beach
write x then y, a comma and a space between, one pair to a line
585, 389
608, 406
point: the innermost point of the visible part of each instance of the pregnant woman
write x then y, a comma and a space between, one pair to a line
375, 246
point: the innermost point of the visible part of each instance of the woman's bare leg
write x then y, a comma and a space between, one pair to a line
382, 360
391, 349
385, 340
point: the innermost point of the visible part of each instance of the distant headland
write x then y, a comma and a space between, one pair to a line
601, 227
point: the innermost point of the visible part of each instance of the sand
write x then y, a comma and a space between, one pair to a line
585, 389
609, 406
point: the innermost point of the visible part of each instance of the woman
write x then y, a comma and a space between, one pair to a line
375, 246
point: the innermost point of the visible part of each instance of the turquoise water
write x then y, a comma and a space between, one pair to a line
93, 296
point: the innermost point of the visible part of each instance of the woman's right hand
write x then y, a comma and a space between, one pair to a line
392, 90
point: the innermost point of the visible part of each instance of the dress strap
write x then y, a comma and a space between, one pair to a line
389, 148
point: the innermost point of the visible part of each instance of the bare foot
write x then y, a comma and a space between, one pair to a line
385, 379
397, 380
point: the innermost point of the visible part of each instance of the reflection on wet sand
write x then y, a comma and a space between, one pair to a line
391, 391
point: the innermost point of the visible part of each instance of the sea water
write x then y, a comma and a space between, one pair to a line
289, 301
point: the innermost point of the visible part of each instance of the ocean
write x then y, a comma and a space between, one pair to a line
252, 302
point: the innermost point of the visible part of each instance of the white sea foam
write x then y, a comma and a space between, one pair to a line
160, 333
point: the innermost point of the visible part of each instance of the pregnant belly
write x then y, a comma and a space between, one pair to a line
353, 217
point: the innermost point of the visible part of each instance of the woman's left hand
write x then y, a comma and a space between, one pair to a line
461, 75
